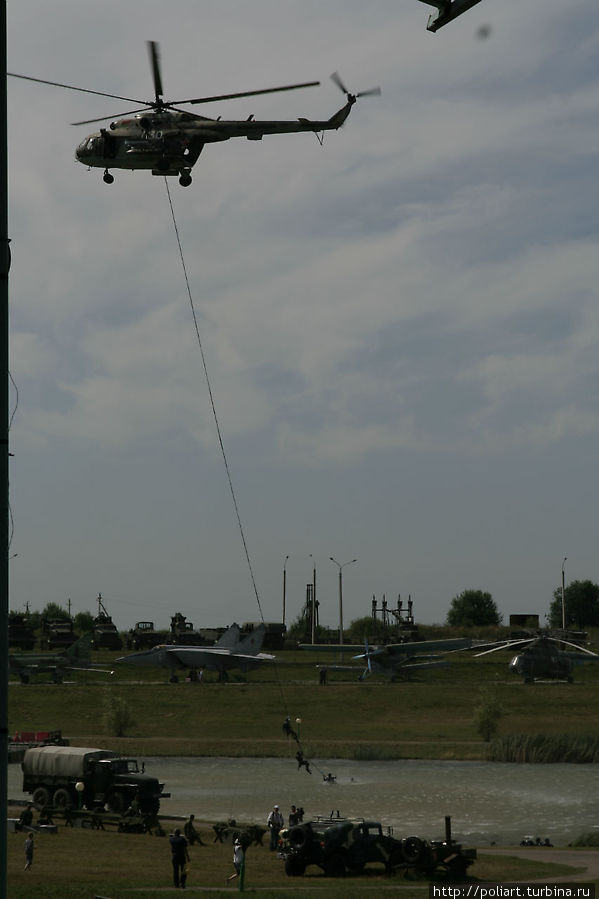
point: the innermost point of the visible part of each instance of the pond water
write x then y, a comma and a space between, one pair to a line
488, 802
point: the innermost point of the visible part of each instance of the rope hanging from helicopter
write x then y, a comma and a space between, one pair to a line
302, 761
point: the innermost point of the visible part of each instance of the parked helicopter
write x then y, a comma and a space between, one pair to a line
541, 658
168, 141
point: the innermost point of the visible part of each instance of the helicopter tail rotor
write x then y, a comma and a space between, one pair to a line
371, 92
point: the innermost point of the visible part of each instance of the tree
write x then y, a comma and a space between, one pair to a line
53, 610
84, 622
581, 599
473, 608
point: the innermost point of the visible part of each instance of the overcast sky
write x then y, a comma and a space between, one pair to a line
400, 327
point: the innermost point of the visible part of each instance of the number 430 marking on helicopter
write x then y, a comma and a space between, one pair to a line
168, 140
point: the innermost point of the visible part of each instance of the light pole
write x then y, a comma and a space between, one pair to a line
341, 567
563, 597
284, 585
313, 628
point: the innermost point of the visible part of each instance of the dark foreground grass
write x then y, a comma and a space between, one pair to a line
81, 864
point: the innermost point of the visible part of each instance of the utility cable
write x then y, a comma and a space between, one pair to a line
300, 754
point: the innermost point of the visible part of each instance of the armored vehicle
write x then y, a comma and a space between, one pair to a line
341, 846
144, 636
53, 774
20, 632
57, 633
104, 633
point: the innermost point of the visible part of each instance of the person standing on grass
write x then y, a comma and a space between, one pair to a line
28, 851
179, 856
275, 822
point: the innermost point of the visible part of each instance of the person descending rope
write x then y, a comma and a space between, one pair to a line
302, 762
288, 730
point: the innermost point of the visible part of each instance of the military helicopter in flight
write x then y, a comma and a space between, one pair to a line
168, 141
540, 657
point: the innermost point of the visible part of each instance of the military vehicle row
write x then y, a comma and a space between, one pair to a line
344, 846
65, 777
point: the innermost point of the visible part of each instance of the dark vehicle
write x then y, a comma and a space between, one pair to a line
145, 636
104, 633
52, 774
57, 633
20, 632
183, 632
274, 638
341, 846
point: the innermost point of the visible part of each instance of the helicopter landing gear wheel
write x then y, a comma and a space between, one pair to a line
185, 179
108, 178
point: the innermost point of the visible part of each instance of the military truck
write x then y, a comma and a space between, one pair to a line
104, 633
20, 631
144, 636
341, 846
52, 775
57, 633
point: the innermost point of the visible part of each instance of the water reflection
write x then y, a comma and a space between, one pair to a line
488, 802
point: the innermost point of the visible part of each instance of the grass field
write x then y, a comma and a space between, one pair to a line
429, 717
79, 864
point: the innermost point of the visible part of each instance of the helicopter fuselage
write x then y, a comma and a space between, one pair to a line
170, 142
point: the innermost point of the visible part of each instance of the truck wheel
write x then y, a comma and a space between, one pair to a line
412, 849
298, 836
117, 803
41, 797
294, 866
458, 867
335, 865
396, 861
62, 799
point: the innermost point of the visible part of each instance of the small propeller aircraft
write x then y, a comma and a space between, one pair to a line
540, 657
448, 10
231, 651
75, 658
168, 141
400, 659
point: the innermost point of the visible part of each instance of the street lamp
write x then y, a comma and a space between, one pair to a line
341, 567
563, 598
284, 585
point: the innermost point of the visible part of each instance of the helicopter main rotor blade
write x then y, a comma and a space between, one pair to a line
84, 90
119, 115
266, 90
155, 64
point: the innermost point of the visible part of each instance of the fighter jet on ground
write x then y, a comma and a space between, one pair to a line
75, 658
231, 651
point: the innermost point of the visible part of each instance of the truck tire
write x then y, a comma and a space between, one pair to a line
294, 866
335, 865
41, 797
62, 799
117, 802
413, 850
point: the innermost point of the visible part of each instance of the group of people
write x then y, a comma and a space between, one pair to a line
276, 823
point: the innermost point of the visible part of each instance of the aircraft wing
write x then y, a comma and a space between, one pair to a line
211, 657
